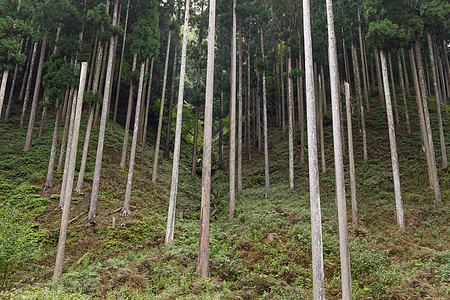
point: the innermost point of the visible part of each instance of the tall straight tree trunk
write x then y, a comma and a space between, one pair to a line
11, 92
35, 102
161, 110
363, 64
102, 129
351, 156
28, 88
444, 86
197, 92
172, 95
438, 102
322, 86
406, 72
203, 245
402, 86
423, 127
92, 63
3, 88
248, 100
103, 70
176, 152
427, 76
221, 166
258, 113
51, 163
66, 117
149, 89
142, 112
397, 121
346, 65
302, 115
85, 150
320, 121
338, 158
126, 205
447, 68
26, 74
291, 122
119, 79
266, 136
313, 161
70, 174
240, 100
379, 79
232, 205
395, 167
283, 103
123, 157
360, 103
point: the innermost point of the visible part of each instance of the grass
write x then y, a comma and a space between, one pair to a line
264, 252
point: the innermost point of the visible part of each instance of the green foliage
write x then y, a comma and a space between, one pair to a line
92, 97
58, 77
439, 265
385, 35
19, 244
11, 31
47, 294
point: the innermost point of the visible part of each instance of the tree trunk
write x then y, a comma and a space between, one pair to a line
338, 158
397, 121
197, 92
172, 95
423, 128
258, 114
26, 74
406, 73
3, 88
351, 156
203, 245
126, 205
28, 88
221, 165
316, 222
123, 157
360, 103
176, 151
438, 102
85, 150
395, 167
447, 68
380, 82
141, 117
283, 103
363, 64
320, 121
51, 163
266, 142
70, 174
240, 100
92, 63
116, 103
161, 111
248, 101
66, 116
35, 102
102, 129
302, 116
444, 86
149, 89
402, 86
11, 92
291, 122
232, 129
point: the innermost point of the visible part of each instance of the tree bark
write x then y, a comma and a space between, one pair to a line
102, 129
240, 100
438, 102
406, 73
28, 88
283, 103
380, 82
123, 157
11, 92
302, 115
290, 122
258, 113
351, 156
203, 246
70, 174
338, 158
35, 102
316, 222
161, 111
85, 150
176, 151
397, 121
266, 142
320, 123
363, 64
3, 88
126, 205
248, 101
149, 90
232, 150
197, 92
395, 167
402, 86
51, 163
66, 116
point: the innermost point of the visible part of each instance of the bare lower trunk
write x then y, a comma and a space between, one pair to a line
102, 129
51, 163
291, 123
176, 151
149, 89
126, 205
221, 165
123, 157
203, 245
351, 156
258, 114
320, 123
438, 102
402, 86
283, 103
395, 167
28, 88
363, 64
380, 80
232, 129
66, 210
26, 74
240, 100
43, 119
444, 86
313, 161
194, 144
266, 136
161, 111
397, 121
11, 93
3, 88
248, 101
66, 116
406, 73
85, 150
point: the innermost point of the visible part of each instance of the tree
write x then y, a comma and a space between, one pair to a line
232, 205
203, 247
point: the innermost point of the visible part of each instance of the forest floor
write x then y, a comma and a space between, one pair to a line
264, 252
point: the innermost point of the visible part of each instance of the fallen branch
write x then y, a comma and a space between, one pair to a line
74, 219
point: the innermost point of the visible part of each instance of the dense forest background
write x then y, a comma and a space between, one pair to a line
211, 149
